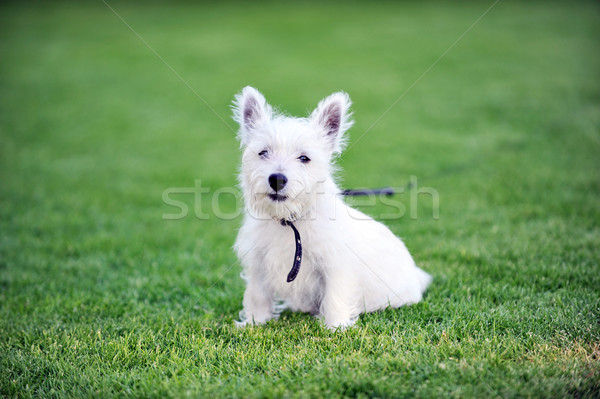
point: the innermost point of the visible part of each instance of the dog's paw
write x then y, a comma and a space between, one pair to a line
240, 323
254, 319
341, 326
337, 324
246, 323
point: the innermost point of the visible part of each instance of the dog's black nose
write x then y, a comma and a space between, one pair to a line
277, 181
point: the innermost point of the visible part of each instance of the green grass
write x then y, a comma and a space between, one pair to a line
99, 296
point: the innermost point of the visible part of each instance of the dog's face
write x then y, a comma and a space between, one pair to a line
287, 159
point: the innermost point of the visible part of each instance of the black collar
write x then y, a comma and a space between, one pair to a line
298, 255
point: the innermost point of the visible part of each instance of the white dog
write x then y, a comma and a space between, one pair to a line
350, 264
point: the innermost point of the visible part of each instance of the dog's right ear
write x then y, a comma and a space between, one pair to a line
250, 110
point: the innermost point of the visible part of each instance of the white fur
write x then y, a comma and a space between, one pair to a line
351, 263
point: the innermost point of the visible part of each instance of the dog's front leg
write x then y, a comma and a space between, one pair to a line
257, 304
339, 306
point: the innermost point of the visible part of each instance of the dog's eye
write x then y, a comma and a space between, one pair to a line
263, 154
304, 159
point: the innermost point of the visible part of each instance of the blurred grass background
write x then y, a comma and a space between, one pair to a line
102, 297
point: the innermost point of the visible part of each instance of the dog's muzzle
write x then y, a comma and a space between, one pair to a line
277, 182
277, 197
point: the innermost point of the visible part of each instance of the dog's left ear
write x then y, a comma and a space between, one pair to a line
332, 117
250, 110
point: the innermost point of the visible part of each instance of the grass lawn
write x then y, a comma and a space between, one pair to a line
101, 296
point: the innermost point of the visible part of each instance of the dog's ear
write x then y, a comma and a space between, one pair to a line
250, 110
332, 117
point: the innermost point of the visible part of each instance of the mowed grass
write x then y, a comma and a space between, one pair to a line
101, 296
